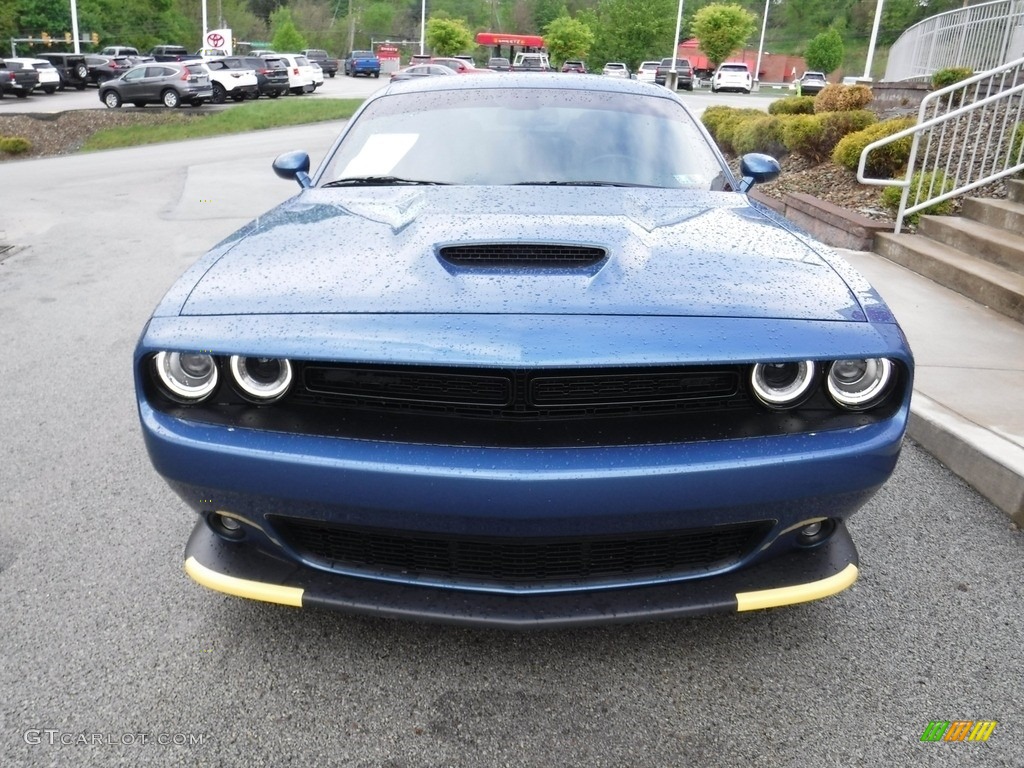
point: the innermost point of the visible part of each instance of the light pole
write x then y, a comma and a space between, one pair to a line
423, 23
673, 76
874, 35
760, 48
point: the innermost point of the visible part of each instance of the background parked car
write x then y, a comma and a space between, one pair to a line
422, 70
362, 63
271, 72
16, 79
235, 82
811, 83
499, 64
646, 71
49, 77
103, 68
171, 83
616, 69
684, 73
321, 57
171, 53
460, 66
300, 73
71, 67
119, 50
732, 76
574, 65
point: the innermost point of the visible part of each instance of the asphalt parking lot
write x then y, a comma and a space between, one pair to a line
112, 656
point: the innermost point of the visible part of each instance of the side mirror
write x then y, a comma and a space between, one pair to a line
758, 169
294, 165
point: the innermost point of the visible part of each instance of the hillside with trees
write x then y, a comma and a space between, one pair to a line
601, 30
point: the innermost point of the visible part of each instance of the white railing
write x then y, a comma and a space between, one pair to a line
978, 37
968, 134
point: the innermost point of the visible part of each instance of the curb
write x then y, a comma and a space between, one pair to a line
988, 462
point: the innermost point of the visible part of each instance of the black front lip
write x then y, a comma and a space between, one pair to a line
244, 570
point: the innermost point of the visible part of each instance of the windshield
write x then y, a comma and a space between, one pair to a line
499, 136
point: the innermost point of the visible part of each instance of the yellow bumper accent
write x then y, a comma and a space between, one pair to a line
801, 593
254, 590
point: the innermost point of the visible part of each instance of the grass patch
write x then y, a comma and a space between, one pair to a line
241, 118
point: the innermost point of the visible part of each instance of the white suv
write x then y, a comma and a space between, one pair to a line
733, 76
645, 72
300, 73
229, 83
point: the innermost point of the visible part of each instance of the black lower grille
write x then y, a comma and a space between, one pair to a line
522, 561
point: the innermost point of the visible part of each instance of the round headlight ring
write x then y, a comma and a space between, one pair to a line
782, 385
856, 384
186, 377
263, 379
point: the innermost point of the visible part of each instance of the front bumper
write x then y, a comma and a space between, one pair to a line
237, 568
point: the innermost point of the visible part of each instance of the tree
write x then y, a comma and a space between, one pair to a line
446, 37
286, 36
568, 38
825, 51
722, 30
630, 31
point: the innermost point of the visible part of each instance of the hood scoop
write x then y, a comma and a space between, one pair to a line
524, 255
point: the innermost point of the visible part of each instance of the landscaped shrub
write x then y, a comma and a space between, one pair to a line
926, 185
884, 162
763, 134
1016, 146
722, 122
950, 75
14, 145
792, 105
804, 135
815, 136
835, 97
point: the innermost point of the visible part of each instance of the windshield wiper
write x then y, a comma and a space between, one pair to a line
578, 184
377, 181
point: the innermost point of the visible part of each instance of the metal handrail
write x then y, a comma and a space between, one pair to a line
979, 36
972, 127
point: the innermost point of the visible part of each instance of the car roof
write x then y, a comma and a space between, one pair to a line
522, 80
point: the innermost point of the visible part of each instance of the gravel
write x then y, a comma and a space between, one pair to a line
63, 133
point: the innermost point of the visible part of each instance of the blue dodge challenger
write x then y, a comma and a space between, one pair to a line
522, 353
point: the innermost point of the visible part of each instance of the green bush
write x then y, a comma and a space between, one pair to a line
928, 184
815, 136
762, 134
950, 75
792, 105
1016, 146
804, 135
722, 123
835, 97
884, 162
14, 145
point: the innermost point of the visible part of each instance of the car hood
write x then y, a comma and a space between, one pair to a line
376, 250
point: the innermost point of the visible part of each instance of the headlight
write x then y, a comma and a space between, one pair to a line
857, 384
261, 378
187, 377
782, 385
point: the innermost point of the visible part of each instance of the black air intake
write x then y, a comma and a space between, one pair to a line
522, 255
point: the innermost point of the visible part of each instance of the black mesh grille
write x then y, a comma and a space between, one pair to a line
527, 561
522, 255
508, 394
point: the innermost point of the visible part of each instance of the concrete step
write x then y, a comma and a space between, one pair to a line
1002, 214
1015, 189
999, 246
986, 283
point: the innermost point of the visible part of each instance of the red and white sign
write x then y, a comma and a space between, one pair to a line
219, 40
